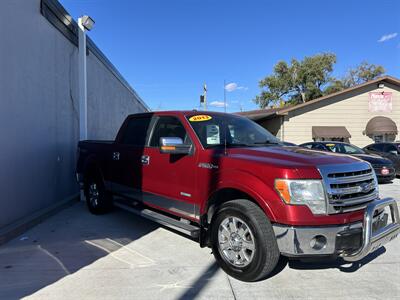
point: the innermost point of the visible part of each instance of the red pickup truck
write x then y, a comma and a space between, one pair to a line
230, 184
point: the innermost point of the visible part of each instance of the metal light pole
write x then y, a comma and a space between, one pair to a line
225, 96
84, 23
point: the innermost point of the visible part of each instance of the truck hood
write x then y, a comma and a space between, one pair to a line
290, 156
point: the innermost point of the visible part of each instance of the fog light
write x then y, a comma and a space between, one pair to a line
318, 242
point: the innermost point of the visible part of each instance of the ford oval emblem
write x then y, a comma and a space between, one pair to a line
365, 187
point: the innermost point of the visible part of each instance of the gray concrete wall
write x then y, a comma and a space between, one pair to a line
39, 110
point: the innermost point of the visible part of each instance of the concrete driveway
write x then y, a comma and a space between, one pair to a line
75, 255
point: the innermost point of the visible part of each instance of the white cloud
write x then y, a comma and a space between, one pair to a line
387, 37
242, 88
232, 86
218, 104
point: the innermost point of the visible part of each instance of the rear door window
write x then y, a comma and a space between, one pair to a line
136, 131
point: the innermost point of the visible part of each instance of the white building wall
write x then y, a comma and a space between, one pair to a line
349, 110
39, 110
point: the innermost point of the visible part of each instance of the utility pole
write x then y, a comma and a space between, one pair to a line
84, 23
205, 96
224, 95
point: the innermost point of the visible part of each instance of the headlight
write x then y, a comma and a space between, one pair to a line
303, 192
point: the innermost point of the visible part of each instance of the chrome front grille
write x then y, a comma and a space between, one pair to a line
349, 187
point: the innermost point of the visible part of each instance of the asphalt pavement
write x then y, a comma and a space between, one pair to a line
76, 255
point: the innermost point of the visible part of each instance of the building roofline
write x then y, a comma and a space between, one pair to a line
387, 78
264, 113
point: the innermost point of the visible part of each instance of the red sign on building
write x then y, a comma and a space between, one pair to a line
380, 102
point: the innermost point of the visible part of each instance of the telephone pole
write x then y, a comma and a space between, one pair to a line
203, 98
225, 96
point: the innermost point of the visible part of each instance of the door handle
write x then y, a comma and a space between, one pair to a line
145, 159
115, 156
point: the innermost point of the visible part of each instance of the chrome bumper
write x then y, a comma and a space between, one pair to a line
371, 241
318, 240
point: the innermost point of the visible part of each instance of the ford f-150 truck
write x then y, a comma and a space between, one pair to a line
230, 184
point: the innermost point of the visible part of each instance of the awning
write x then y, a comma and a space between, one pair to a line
330, 132
380, 125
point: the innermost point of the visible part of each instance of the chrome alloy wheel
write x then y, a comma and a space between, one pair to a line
93, 194
236, 242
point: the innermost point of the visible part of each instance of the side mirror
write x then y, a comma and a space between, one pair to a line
174, 145
393, 152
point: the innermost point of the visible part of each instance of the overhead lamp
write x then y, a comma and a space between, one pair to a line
87, 22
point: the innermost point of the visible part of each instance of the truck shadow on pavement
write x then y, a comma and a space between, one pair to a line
75, 239
62, 245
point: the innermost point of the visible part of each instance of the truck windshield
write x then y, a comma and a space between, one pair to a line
213, 129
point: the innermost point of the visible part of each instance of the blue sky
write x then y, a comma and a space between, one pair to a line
168, 49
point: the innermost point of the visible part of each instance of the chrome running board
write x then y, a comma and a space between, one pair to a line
188, 229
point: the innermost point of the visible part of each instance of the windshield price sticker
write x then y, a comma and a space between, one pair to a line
213, 135
200, 118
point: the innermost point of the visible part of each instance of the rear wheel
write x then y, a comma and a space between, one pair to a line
97, 198
243, 241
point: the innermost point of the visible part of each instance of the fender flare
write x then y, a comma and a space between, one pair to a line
249, 184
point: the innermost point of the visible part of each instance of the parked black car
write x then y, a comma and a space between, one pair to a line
383, 167
390, 151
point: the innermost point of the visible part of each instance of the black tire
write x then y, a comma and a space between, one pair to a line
266, 255
103, 202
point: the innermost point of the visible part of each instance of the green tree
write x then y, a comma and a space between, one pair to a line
362, 73
301, 81
297, 82
336, 86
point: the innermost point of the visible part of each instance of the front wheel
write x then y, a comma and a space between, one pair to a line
243, 241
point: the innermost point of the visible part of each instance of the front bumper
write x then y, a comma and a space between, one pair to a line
351, 241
